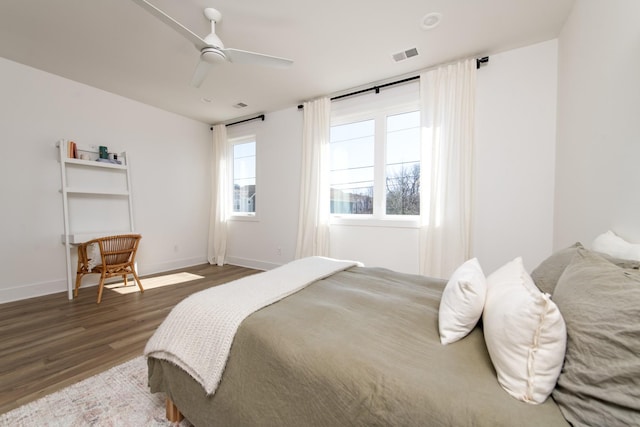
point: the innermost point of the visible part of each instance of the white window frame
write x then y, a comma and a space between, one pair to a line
379, 218
242, 216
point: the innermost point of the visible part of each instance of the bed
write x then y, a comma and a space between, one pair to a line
359, 347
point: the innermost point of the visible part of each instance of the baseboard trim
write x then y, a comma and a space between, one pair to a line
32, 290
252, 263
171, 265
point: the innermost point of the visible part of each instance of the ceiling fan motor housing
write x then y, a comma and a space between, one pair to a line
213, 40
213, 55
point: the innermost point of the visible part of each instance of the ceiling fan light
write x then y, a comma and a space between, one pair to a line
213, 56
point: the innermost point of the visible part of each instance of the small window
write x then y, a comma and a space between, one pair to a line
244, 177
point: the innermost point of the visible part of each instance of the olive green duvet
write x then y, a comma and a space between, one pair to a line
359, 348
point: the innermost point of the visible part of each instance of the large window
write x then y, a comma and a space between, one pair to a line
244, 176
375, 165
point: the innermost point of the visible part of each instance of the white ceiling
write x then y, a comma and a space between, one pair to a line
337, 45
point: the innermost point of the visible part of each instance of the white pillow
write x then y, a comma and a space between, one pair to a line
94, 256
462, 302
615, 246
524, 332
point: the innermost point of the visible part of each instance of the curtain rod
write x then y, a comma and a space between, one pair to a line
261, 117
479, 63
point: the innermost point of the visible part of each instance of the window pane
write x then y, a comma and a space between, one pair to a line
403, 121
351, 167
403, 164
244, 177
352, 130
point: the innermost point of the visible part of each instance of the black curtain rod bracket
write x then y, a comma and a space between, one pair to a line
261, 117
481, 61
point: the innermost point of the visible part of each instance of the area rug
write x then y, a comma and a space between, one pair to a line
117, 397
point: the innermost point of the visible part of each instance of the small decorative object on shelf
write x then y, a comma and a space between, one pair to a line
113, 161
104, 153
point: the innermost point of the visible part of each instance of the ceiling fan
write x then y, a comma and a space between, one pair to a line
212, 51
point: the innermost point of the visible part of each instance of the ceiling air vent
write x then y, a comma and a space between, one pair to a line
401, 56
240, 105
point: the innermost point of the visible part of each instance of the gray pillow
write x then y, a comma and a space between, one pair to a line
599, 384
546, 275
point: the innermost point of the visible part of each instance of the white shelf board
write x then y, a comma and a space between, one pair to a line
77, 238
94, 163
97, 192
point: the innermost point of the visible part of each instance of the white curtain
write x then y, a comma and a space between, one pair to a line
220, 189
447, 97
313, 218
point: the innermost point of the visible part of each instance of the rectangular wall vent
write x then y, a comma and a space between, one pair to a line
401, 56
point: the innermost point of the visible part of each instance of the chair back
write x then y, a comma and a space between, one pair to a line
120, 249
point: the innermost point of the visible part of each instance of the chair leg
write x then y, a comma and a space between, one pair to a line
137, 279
80, 269
78, 280
101, 286
124, 279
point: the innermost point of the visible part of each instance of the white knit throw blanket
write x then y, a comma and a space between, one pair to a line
198, 333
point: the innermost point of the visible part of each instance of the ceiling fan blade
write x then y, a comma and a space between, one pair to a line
201, 72
187, 33
245, 57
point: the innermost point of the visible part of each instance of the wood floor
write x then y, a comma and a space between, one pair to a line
48, 343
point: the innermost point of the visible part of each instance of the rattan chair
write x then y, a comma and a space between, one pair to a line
117, 258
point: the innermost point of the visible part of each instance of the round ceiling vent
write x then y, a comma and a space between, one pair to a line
430, 20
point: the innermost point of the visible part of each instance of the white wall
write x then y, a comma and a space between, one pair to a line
170, 176
515, 156
598, 153
255, 243
514, 177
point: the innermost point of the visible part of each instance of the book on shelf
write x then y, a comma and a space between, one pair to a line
72, 150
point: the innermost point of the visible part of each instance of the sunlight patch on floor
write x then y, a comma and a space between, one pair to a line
152, 282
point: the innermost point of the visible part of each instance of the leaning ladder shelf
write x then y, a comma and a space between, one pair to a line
71, 189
